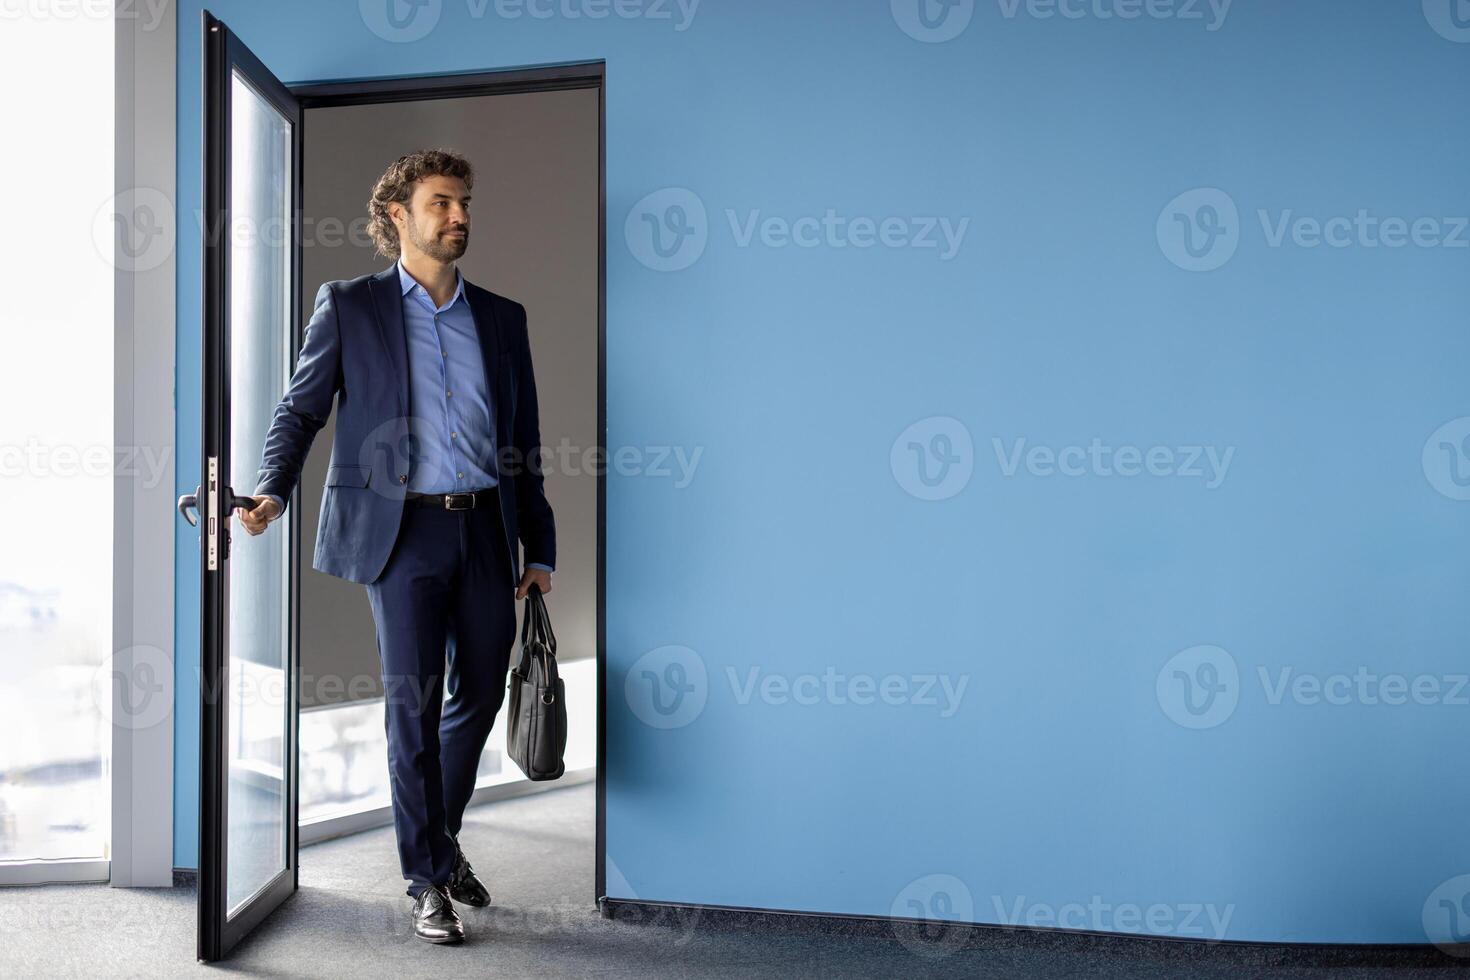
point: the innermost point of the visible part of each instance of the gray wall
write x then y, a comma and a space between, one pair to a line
533, 239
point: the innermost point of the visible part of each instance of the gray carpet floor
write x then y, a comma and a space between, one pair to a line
350, 919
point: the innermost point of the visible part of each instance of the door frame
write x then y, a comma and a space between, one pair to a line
322, 94
548, 77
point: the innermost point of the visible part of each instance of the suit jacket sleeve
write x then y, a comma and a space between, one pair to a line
304, 408
533, 511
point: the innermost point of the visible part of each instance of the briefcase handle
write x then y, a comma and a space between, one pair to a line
536, 612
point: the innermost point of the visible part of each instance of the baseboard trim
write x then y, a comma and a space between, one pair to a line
933, 940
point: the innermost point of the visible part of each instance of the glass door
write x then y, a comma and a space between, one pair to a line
249, 673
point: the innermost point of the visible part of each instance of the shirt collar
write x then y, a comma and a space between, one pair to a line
407, 282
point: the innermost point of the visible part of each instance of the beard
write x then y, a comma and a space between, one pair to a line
442, 248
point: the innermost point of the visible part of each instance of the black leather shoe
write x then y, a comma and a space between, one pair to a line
463, 886
434, 918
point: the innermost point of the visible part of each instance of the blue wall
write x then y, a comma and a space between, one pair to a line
914, 461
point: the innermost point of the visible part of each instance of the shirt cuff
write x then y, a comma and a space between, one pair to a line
532, 564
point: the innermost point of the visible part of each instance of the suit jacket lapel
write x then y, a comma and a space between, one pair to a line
388, 302
487, 328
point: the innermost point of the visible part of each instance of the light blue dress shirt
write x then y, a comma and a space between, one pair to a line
453, 422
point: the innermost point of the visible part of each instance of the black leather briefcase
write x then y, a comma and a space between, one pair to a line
536, 732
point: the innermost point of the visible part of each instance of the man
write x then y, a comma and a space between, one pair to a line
435, 471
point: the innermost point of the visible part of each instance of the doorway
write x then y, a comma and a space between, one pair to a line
277, 775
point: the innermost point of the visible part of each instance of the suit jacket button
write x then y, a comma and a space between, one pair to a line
403, 479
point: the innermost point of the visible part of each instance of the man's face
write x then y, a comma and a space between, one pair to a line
437, 222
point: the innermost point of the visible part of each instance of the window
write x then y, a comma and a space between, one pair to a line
56, 448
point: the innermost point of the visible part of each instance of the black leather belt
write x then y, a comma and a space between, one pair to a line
453, 501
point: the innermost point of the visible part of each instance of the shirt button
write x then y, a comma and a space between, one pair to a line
461, 476
448, 394
444, 352
454, 435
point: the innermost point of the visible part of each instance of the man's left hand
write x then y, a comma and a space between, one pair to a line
540, 576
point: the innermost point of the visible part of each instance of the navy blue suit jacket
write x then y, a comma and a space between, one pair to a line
356, 352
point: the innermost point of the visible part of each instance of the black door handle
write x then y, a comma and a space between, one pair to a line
190, 500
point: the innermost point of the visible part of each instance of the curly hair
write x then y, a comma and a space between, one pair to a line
397, 183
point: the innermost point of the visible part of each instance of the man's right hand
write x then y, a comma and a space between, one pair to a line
259, 515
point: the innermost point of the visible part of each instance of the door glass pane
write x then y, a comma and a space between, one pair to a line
259, 287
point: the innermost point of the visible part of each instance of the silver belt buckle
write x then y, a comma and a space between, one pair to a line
467, 497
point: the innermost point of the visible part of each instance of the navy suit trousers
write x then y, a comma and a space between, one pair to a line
444, 607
